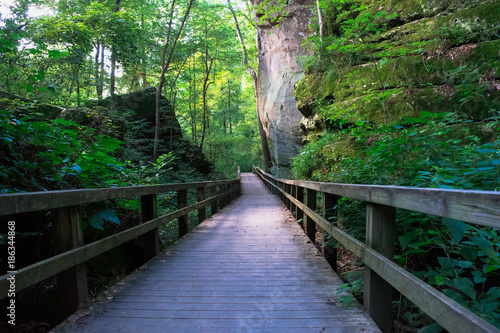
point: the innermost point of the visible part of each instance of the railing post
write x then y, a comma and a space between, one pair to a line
287, 190
183, 220
150, 241
293, 190
330, 203
223, 200
213, 193
280, 194
299, 195
233, 192
380, 224
309, 224
72, 283
202, 212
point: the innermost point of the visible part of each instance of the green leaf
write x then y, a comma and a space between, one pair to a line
479, 279
457, 228
431, 328
97, 219
465, 285
469, 253
494, 292
486, 246
405, 239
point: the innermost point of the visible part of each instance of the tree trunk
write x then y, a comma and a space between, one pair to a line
97, 53
113, 65
263, 137
165, 66
100, 84
320, 20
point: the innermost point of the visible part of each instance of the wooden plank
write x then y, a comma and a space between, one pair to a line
72, 282
219, 284
299, 192
42, 270
309, 224
480, 207
293, 190
330, 203
214, 206
222, 202
17, 203
183, 220
150, 240
448, 313
377, 296
244, 306
202, 212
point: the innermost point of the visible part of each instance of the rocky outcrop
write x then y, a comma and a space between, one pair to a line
279, 47
434, 56
133, 122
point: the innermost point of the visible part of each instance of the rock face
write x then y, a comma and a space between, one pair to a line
431, 56
279, 47
133, 122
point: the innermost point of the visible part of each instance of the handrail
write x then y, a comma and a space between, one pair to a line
72, 253
16, 203
382, 274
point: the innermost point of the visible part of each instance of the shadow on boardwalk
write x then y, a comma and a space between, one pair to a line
249, 268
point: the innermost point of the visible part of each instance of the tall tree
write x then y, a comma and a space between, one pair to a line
166, 60
263, 138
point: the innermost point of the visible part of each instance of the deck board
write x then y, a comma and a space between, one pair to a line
249, 268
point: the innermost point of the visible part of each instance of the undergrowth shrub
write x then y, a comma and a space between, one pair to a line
434, 150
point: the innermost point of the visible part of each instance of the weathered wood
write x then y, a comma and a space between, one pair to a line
232, 287
480, 207
71, 283
293, 208
30, 275
202, 212
299, 195
287, 189
448, 313
377, 296
183, 220
330, 203
309, 224
17, 203
150, 241
214, 206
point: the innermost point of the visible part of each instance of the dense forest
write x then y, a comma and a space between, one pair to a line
128, 92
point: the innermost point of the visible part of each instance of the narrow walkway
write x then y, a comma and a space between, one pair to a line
249, 268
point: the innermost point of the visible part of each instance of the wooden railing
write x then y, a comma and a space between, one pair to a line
381, 273
71, 252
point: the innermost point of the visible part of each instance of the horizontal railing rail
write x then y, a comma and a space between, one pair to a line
71, 252
382, 275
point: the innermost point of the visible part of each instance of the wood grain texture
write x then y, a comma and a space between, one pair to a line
377, 297
249, 268
448, 313
480, 207
35, 201
30, 275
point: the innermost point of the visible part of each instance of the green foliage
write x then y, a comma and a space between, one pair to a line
96, 218
433, 150
55, 154
272, 11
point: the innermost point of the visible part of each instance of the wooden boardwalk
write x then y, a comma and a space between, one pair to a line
249, 268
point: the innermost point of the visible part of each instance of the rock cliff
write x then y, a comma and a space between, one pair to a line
279, 47
436, 56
